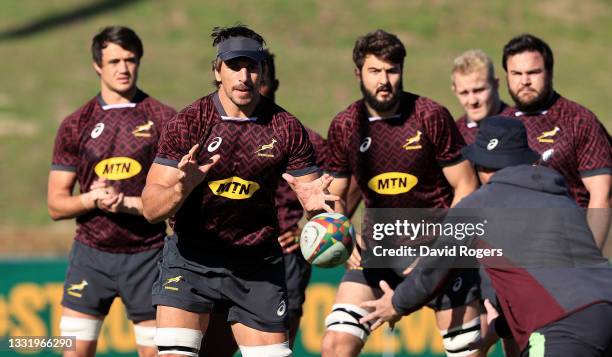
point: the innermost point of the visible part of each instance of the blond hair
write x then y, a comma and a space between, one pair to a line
471, 61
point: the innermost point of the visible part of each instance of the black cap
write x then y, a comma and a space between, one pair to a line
500, 142
239, 46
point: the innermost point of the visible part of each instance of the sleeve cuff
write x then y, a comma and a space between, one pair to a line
451, 162
56, 167
338, 174
166, 162
595, 172
397, 304
303, 172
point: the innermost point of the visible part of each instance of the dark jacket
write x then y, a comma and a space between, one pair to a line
551, 266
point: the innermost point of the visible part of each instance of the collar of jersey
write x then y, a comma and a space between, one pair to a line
551, 102
224, 115
395, 116
538, 112
137, 98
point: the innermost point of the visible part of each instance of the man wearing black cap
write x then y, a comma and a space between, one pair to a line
218, 341
218, 164
552, 283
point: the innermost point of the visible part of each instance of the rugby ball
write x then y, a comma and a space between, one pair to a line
327, 240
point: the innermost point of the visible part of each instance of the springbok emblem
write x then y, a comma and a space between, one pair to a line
143, 130
412, 143
266, 147
547, 135
176, 279
74, 288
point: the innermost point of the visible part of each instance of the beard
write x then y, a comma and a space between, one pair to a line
534, 104
377, 105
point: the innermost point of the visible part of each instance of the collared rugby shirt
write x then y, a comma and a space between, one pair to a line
234, 206
571, 140
116, 142
397, 161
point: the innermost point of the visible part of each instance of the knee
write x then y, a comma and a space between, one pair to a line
340, 344
327, 345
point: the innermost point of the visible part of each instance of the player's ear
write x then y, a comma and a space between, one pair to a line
357, 72
217, 74
276, 84
97, 68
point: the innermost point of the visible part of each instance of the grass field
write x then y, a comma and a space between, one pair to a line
47, 72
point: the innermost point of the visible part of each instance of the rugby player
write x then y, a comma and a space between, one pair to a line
107, 147
218, 165
219, 341
476, 86
391, 132
569, 137
553, 284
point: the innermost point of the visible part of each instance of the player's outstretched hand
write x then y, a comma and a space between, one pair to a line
312, 195
290, 240
190, 173
383, 309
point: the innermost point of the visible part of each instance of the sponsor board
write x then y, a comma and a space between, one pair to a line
31, 291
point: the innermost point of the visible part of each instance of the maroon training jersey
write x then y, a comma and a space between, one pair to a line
397, 161
469, 129
116, 142
571, 140
234, 206
289, 209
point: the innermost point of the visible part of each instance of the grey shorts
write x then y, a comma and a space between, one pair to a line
297, 271
94, 278
462, 289
251, 290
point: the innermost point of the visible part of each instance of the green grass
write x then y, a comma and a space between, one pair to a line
48, 75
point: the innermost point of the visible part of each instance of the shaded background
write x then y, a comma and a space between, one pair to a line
47, 72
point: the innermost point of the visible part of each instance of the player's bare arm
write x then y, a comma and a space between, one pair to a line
62, 204
599, 206
312, 192
353, 198
339, 187
462, 178
343, 187
167, 187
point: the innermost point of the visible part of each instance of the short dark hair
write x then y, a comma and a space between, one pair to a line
528, 43
269, 64
381, 44
119, 35
220, 34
